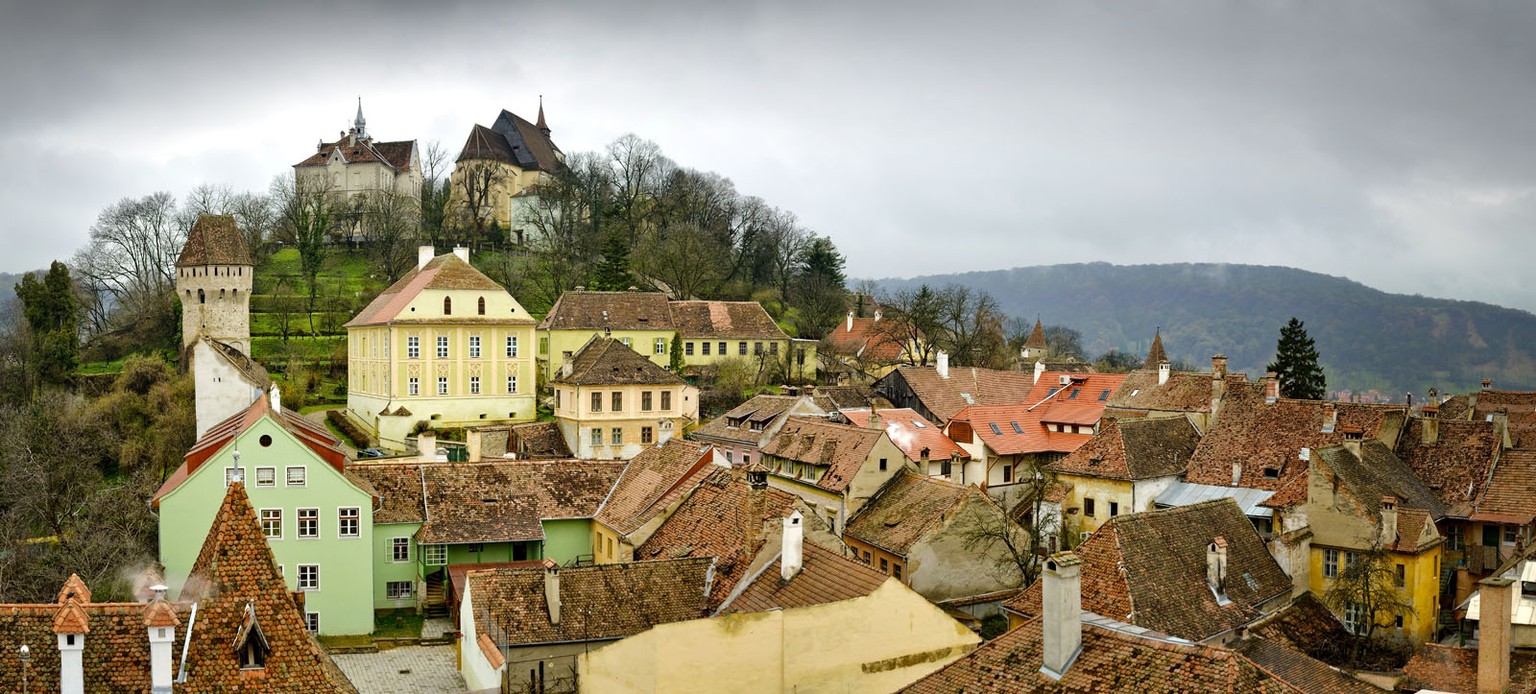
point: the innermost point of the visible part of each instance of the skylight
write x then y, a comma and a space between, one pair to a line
995, 430
1103, 395
1073, 395
1016, 428
919, 424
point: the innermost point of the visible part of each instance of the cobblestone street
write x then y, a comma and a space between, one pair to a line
404, 670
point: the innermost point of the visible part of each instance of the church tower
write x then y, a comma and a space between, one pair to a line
213, 282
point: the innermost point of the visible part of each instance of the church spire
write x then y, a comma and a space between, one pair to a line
1156, 355
541, 125
360, 124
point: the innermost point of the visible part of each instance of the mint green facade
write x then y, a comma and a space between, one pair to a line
387, 570
565, 540
488, 552
345, 565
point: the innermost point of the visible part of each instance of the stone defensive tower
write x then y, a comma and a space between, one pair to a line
213, 281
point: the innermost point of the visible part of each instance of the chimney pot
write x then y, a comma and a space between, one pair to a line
1271, 387
473, 443
792, 558
1061, 614
1039, 369
277, 398
1163, 371
1487, 384
850, 321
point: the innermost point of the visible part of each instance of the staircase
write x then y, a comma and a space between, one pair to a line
436, 600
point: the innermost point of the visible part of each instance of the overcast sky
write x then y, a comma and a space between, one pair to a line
1393, 143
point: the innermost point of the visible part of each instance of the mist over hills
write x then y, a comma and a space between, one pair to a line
1368, 339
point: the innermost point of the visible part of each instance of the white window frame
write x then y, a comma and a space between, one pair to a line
442, 385
288, 478
442, 346
474, 346
277, 516
342, 519
399, 590
312, 622
511, 384
435, 555
661, 345
1330, 563
231, 473
395, 543
314, 579
313, 519
511, 346
412, 347
616, 436
271, 477
413, 385
596, 436
626, 342
474, 385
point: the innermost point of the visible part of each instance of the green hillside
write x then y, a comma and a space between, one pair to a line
1368, 339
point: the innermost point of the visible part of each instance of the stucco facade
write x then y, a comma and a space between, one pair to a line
584, 409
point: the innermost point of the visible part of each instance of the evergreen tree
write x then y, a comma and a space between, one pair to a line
676, 364
821, 260
1296, 364
52, 316
612, 272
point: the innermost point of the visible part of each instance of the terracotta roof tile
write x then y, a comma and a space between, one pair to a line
1511, 491
966, 386
1453, 669
1378, 473
395, 155
446, 271
1519, 405
654, 480
750, 421
1299, 670
399, 488
1134, 449
841, 448
605, 361
911, 432
505, 501
1185, 391
1457, 464
1306, 625
906, 510
537, 440
214, 240
724, 319
1155, 354
825, 577
1036, 339
863, 338
586, 310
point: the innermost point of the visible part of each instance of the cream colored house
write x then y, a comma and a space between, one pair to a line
612, 403
444, 345
640, 320
508, 158
355, 166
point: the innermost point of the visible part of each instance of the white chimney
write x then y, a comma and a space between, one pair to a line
1039, 370
277, 399
426, 447
877, 315
1493, 635
1061, 609
424, 255
1216, 566
1163, 369
462, 252
161, 624
942, 362
552, 591
849, 327
71, 639
1237, 472
792, 558
1388, 521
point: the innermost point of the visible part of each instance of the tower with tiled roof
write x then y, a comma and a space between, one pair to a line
1035, 345
213, 282
1156, 355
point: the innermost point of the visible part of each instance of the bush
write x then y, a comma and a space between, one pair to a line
993, 627
348, 428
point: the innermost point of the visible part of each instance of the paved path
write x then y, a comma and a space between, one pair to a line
405, 670
435, 627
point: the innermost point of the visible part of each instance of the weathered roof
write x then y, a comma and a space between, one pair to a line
505, 501
1149, 569
1456, 466
513, 140
1452, 669
1306, 626
396, 155
1375, 473
714, 521
841, 448
1511, 492
907, 509
1185, 391
1519, 405
1155, 354
1114, 658
866, 339
747, 422
724, 319
965, 386
654, 479
1134, 449
235, 568
597, 603
239, 361
1298, 669
214, 240
538, 440
399, 490
604, 361
589, 310
825, 577
116, 656
911, 432
446, 271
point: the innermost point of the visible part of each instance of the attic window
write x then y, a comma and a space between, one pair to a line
250, 644
1271, 473
1073, 394
1053, 391
1103, 395
1016, 428
1134, 392
995, 430
919, 425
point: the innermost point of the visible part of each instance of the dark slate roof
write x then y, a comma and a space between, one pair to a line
724, 319
907, 510
505, 501
587, 310
513, 140
1134, 449
604, 361
654, 480
603, 602
825, 577
1149, 569
214, 240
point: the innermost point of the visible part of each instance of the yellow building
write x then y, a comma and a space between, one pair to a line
716, 332
612, 403
1124, 467
496, 169
444, 345
1362, 500
810, 621
639, 320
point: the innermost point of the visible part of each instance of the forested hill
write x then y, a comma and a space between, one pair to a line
1368, 339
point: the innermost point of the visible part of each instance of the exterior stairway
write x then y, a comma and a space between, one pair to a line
436, 600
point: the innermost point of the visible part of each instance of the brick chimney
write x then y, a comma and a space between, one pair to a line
1061, 610
1216, 566
1493, 643
1218, 366
942, 362
1163, 369
1388, 521
552, 590
424, 255
1271, 387
1429, 425
792, 559
756, 504
1218, 382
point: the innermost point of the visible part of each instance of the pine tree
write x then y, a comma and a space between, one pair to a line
52, 315
612, 272
1296, 364
676, 363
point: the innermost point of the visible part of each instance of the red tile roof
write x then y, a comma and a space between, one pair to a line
724, 319
1453, 669
1457, 464
1133, 449
825, 577
1185, 391
214, 240
863, 338
654, 480
912, 433
446, 271
747, 422
1511, 491
965, 386
395, 155
505, 501
1022, 428
840, 448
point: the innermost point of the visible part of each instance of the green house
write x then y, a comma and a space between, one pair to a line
317, 519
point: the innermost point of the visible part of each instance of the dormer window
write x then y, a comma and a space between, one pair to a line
251, 646
1271, 473
482, 306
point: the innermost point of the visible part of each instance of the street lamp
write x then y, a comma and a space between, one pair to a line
26, 662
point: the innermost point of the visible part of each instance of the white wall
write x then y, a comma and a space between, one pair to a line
222, 391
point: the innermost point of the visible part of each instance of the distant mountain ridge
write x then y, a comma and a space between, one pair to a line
1368, 339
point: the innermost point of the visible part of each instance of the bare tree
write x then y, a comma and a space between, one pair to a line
435, 190
393, 220
129, 266
1366, 593
910, 318
476, 183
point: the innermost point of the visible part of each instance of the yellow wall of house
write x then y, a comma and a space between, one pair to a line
877, 643
577, 418
512, 180
553, 345
1104, 492
607, 545
888, 563
1421, 586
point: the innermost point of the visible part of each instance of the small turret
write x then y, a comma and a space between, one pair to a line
360, 124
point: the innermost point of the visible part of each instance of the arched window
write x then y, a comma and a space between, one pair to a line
200, 298
482, 305
447, 305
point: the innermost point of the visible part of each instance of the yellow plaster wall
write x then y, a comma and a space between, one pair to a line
553, 344
1421, 585
1102, 491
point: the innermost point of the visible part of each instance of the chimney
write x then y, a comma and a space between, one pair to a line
1061, 614
1216, 566
757, 503
1271, 387
70, 625
462, 252
1352, 437
1218, 382
923, 456
1237, 472
277, 399
1330, 418
472, 442
874, 417
1501, 427
942, 362
1039, 369
1163, 369
792, 559
1388, 521
160, 621
1493, 635
552, 590
877, 315
424, 255
1430, 425
1487, 384
850, 322
426, 447
1219, 366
